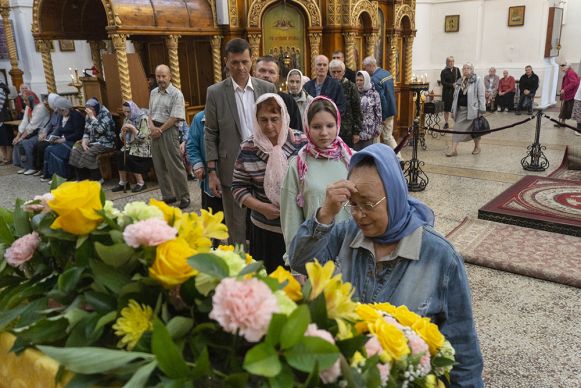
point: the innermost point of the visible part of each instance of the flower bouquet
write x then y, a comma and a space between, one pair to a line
138, 297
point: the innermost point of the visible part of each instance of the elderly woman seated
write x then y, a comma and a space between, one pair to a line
390, 253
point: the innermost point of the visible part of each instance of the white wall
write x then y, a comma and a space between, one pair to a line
485, 39
30, 61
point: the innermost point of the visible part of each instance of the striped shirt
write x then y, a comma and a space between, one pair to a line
248, 178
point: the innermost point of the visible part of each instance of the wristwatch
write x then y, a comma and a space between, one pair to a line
210, 169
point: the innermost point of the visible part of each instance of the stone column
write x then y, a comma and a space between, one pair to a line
44, 49
409, 44
171, 42
371, 42
122, 65
15, 72
350, 49
96, 55
254, 41
216, 44
315, 42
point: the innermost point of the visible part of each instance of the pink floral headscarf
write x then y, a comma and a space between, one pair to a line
337, 150
277, 161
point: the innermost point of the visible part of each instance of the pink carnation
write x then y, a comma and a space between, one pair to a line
418, 346
22, 249
373, 347
40, 204
331, 374
149, 232
244, 307
384, 370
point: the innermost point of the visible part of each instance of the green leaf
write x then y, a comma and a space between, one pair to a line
101, 301
139, 379
237, 380
209, 264
89, 360
116, 236
69, 279
253, 267
285, 379
262, 360
310, 351
21, 221
44, 330
106, 319
6, 235
294, 328
442, 362
57, 180
169, 357
179, 326
114, 255
318, 308
275, 328
351, 376
203, 366
351, 345
108, 277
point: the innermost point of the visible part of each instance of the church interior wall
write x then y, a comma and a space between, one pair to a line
485, 39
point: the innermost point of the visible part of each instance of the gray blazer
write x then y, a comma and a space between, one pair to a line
475, 94
222, 129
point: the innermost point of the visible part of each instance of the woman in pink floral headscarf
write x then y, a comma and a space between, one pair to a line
258, 175
323, 160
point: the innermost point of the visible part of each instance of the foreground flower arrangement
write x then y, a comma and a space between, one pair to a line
138, 297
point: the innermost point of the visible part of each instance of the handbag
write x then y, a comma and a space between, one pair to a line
479, 124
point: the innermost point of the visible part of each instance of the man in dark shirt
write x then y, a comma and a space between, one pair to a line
349, 74
267, 70
448, 78
324, 85
528, 85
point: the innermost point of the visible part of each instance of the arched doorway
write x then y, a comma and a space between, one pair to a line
364, 29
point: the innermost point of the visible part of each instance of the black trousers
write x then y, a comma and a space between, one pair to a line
38, 152
268, 247
215, 204
506, 101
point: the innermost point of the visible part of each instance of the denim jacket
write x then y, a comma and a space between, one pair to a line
433, 285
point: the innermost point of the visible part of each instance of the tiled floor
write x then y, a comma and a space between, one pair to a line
530, 330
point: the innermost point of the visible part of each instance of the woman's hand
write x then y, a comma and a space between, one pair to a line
85, 144
60, 140
356, 139
335, 196
199, 173
270, 211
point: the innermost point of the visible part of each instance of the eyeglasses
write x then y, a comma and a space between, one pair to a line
563, 65
363, 209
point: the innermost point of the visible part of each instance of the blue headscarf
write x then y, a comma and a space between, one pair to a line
405, 213
94, 103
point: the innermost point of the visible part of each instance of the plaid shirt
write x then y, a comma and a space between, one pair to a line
167, 103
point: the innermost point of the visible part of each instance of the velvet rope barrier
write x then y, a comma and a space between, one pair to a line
561, 124
403, 141
480, 133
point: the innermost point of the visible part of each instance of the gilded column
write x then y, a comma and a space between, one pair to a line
393, 54
254, 41
122, 65
216, 44
350, 49
96, 55
315, 41
409, 44
15, 72
44, 49
371, 42
171, 42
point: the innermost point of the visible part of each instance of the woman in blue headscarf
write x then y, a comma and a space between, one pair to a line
389, 252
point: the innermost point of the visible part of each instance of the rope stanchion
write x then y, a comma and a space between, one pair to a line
404, 141
416, 177
480, 133
561, 124
538, 161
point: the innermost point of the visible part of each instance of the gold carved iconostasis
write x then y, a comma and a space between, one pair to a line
189, 37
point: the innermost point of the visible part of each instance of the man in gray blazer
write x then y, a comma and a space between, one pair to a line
230, 111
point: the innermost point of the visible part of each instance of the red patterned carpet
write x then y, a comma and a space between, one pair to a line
529, 252
536, 202
570, 168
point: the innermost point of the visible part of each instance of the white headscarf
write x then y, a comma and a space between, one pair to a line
51, 99
277, 164
366, 80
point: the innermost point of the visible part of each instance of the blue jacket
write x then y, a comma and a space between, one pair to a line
433, 286
331, 88
196, 150
383, 81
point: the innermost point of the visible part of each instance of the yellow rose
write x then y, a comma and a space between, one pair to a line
76, 204
430, 333
392, 339
385, 307
170, 214
292, 288
171, 267
367, 312
405, 316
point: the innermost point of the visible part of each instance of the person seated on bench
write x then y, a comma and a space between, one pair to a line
135, 156
99, 137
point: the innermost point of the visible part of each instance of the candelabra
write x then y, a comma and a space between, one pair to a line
416, 177
77, 83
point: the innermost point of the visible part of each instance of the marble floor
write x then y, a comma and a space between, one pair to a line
529, 329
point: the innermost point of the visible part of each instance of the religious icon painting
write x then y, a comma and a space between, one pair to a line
516, 16
452, 23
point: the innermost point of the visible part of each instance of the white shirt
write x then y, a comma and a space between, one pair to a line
245, 106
